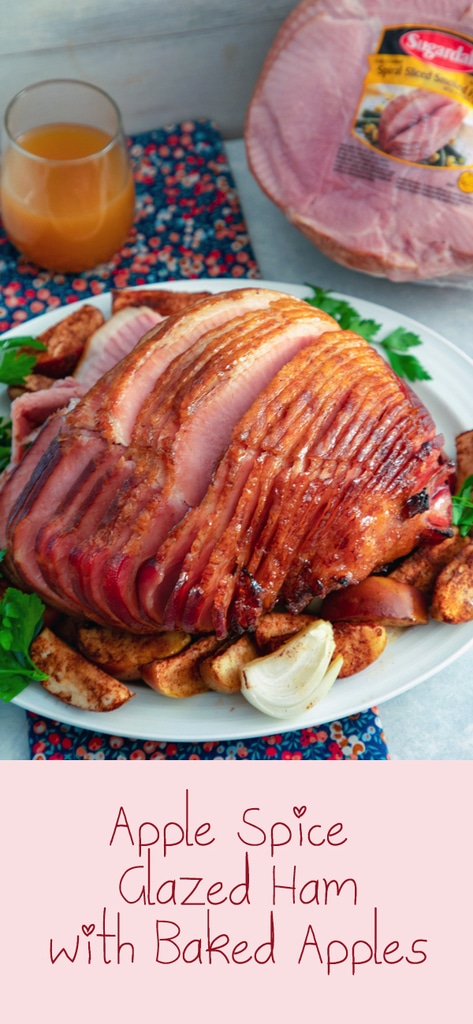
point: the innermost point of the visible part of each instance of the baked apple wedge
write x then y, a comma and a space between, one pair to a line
377, 599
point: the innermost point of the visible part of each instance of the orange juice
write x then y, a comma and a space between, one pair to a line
67, 195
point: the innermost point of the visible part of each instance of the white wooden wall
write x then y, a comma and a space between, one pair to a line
162, 60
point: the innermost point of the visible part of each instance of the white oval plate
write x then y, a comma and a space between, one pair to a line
414, 656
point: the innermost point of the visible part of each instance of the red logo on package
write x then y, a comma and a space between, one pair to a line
445, 51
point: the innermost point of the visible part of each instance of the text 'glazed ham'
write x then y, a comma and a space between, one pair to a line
246, 451
360, 129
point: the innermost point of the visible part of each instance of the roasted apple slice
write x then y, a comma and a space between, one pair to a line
121, 654
464, 458
359, 644
73, 679
377, 599
222, 670
453, 593
274, 628
180, 676
65, 341
422, 567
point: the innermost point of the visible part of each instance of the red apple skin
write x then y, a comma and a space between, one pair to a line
377, 599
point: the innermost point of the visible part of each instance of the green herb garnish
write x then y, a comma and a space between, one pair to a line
463, 507
21, 619
5, 442
15, 363
396, 344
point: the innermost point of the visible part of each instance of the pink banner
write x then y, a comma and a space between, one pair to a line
243, 890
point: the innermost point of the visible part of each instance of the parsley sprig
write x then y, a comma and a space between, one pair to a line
21, 619
396, 344
15, 362
463, 507
5, 442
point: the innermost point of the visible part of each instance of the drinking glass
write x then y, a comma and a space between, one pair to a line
66, 191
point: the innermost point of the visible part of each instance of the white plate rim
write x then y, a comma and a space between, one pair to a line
212, 717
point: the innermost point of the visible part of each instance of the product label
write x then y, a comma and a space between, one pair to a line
416, 105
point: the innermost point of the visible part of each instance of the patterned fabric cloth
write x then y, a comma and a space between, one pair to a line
358, 737
188, 225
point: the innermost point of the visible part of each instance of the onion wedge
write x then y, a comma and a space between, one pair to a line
292, 679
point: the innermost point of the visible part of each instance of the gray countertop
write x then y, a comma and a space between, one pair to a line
435, 719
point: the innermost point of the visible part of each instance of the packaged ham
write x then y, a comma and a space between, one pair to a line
361, 130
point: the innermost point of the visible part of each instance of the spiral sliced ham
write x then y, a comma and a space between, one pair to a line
375, 208
246, 450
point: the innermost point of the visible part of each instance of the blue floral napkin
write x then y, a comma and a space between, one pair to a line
355, 738
188, 225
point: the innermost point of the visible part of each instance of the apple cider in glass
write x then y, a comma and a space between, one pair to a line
67, 192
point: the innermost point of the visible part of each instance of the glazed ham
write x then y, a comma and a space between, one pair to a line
389, 204
245, 451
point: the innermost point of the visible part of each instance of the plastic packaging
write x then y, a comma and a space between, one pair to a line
360, 129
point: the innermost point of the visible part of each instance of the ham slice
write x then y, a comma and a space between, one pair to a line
31, 410
395, 201
112, 341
